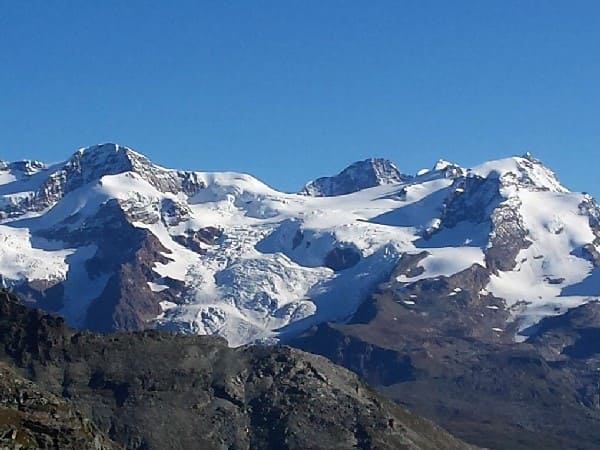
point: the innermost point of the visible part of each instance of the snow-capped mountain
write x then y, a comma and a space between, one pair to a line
360, 175
112, 241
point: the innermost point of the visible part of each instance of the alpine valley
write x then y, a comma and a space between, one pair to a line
468, 294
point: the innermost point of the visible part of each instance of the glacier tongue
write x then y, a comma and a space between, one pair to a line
108, 237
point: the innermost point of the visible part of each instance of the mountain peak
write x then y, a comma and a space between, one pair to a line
90, 164
357, 176
108, 155
35, 186
442, 164
447, 169
523, 171
111, 155
106, 147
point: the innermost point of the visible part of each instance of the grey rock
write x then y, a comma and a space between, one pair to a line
34, 418
153, 390
360, 175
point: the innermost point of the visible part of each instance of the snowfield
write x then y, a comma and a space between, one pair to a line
284, 261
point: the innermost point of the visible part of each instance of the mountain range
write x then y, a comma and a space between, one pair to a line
468, 294
111, 241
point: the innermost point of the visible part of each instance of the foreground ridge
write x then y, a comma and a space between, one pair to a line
153, 390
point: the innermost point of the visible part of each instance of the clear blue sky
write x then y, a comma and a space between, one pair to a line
291, 90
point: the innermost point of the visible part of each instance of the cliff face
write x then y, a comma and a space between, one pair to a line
360, 175
34, 418
153, 390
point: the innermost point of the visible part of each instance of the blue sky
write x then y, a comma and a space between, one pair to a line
292, 90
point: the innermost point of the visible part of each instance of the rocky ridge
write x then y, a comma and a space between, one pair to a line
33, 418
360, 175
153, 390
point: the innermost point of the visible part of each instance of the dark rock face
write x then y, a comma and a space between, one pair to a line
152, 390
376, 365
591, 252
33, 418
125, 252
360, 175
574, 334
173, 213
590, 208
443, 347
471, 199
195, 240
408, 264
127, 303
478, 200
507, 239
341, 258
92, 164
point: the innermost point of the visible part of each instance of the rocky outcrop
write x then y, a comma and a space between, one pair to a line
478, 200
471, 199
507, 238
341, 258
589, 207
153, 390
360, 175
126, 255
33, 418
198, 240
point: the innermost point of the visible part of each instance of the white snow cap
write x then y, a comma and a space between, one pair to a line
283, 262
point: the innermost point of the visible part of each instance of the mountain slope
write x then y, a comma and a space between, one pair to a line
111, 241
445, 361
152, 390
33, 418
